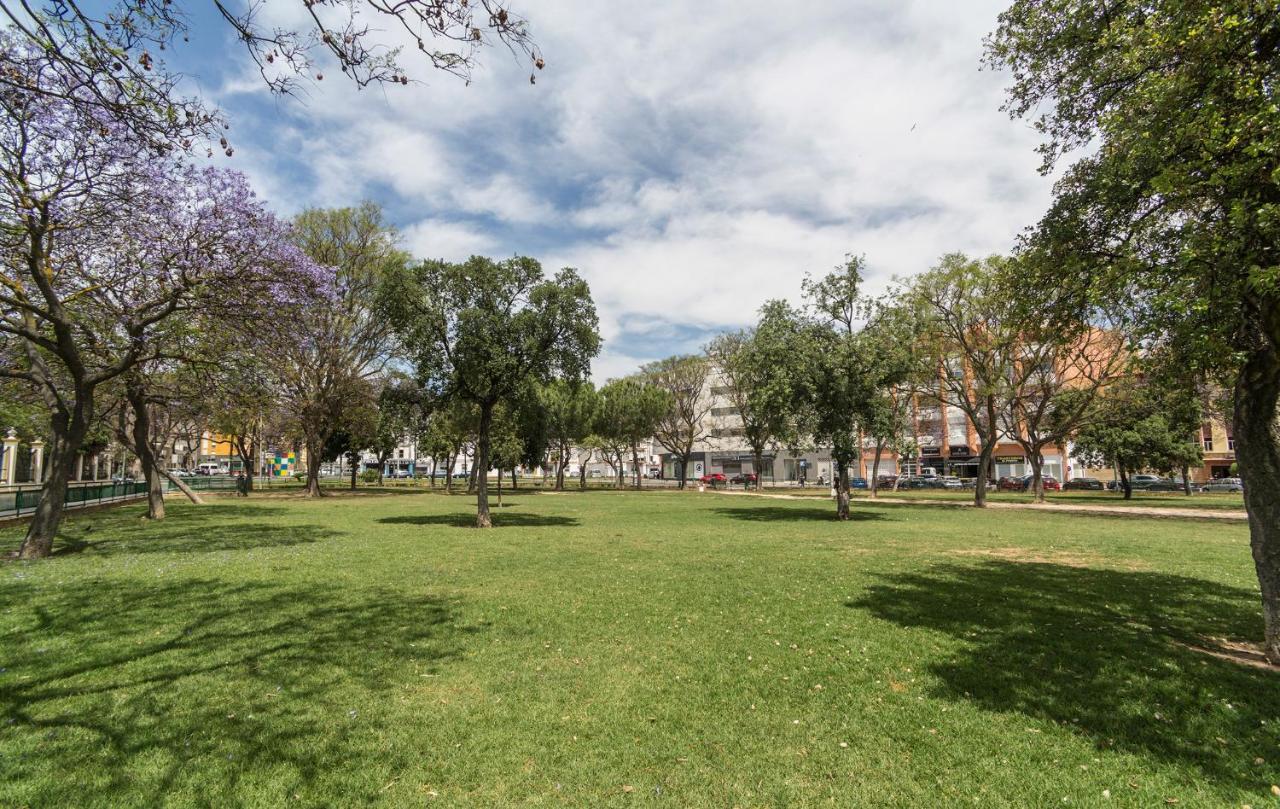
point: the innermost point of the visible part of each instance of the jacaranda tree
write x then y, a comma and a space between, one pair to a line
103, 242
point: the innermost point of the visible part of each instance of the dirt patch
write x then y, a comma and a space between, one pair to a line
1233, 651
1043, 557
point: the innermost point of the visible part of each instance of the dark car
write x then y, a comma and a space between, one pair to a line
858, 483
1083, 484
743, 478
1170, 485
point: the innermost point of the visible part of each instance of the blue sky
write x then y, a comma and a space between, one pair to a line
692, 160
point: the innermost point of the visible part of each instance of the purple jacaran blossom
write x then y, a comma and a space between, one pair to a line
105, 244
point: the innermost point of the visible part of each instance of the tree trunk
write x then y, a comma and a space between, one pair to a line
757, 466
315, 447
562, 458
984, 461
248, 452
355, 467
448, 473
434, 466
842, 489
1257, 435
622, 473
635, 464
684, 468
582, 476
1125, 485
1186, 479
499, 487
481, 468
515, 481
183, 487
68, 431
873, 484
1037, 475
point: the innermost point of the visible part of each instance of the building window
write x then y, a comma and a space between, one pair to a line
724, 411
721, 391
399, 453
1206, 436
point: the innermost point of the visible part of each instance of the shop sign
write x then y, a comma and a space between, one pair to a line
1010, 459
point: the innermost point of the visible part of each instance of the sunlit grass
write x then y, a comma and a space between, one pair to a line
619, 648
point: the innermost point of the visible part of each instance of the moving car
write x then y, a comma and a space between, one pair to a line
742, 478
1224, 485
713, 478
1083, 484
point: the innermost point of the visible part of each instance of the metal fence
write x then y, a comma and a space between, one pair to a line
22, 500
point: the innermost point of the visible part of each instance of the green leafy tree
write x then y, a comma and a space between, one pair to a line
897, 368
837, 370
569, 410
759, 365
1174, 207
629, 412
970, 340
483, 330
328, 350
685, 423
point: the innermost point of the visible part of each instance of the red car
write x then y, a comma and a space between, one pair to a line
1023, 484
712, 478
745, 477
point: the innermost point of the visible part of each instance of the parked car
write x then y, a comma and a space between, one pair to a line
180, 473
1143, 481
859, 483
1169, 485
1083, 484
1009, 484
400, 474
886, 481
743, 478
713, 479
1224, 485
950, 482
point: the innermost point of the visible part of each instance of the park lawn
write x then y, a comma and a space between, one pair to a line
1212, 501
618, 649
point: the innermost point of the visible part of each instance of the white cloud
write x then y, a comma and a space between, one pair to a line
451, 241
693, 160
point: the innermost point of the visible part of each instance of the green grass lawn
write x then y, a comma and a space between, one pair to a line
1215, 501
617, 649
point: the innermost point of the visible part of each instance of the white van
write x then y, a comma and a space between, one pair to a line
211, 468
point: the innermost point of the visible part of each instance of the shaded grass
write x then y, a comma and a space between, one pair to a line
698, 652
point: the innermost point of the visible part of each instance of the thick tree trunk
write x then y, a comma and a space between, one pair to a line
684, 468
434, 466
582, 476
562, 459
515, 481
873, 484
1257, 435
248, 452
481, 468
355, 467
142, 448
1186, 479
499, 487
1037, 474
984, 461
48, 515
842, 489
448, 473
757, 466
1125, 485
315, 447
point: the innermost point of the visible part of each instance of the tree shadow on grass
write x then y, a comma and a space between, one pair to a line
1101, 652
501, 519
206, 692
185, 529
826, 513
